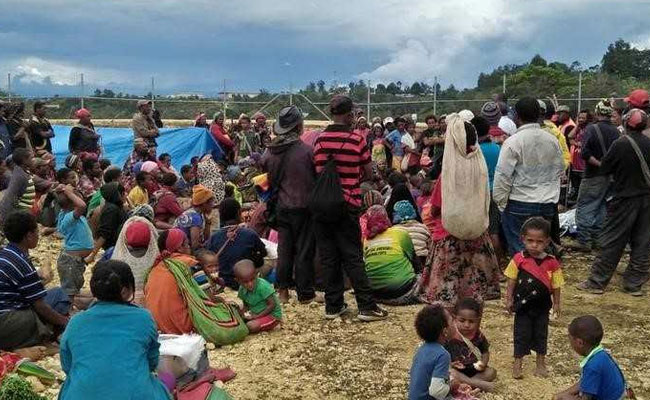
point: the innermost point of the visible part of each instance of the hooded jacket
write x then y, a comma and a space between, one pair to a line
299, 172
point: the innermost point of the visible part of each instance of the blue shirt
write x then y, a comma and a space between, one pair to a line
602, 378
188, 220
491, 154
109, 352
430, 361
246, 245
395, 139
20, 285
76, 231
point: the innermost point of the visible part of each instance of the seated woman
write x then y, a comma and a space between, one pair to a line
401, 192
195, 222
178, 304
389, 256
137, 246
111, 339
111, 218
404, 216
165, 203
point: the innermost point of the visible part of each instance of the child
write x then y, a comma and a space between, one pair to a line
185, 184
139, 194
206, 272
430, 370
77, 244
533, 278
601, 377
469, 348
261, 303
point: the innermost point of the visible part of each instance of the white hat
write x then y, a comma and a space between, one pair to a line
466, 115
506, 125
388, 120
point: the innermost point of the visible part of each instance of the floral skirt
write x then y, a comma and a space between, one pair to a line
456, 269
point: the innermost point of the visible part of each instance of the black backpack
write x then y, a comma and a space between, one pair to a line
326, 202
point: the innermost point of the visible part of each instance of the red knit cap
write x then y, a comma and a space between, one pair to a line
138, 234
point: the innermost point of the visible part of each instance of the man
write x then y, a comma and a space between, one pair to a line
26, 308
394, 142
527, 177
261, 129
21, 192
628, 218
40, 129
290, 167
340, 242
576, 140
506, 123
140, 153
5, 138
83, 138
143, 124
640, 99
492, 114
565, 123
594, 187
246, 140
433, 139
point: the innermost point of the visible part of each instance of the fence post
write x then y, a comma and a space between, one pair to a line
82, 90
368, 100
579, 92
435, 95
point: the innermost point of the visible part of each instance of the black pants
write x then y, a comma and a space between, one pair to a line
340, 249
296, 248
531, 332
627, 221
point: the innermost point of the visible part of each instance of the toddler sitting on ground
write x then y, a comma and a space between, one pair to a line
469, 348
262, 310
206, 272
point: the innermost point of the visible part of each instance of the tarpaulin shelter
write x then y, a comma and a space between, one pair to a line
117, 144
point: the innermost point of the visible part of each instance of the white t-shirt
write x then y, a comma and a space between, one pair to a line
407, 140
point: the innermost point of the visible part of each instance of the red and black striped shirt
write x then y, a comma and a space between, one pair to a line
351, 154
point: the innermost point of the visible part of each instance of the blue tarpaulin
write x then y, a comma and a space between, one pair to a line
117, 144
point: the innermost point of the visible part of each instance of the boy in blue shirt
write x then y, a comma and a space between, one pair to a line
601, 377
77, 244
429, 374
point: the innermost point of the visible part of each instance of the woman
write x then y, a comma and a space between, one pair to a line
404, 216
208, 174
461, 262
196, 222
111, 218
179, 305
390, 260
83, 137
137, 246
201, 121
165, 203
401, 192
110, 351
220, 134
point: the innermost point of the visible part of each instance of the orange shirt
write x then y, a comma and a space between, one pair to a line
165, 302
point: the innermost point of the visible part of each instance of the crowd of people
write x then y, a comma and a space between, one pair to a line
440, 216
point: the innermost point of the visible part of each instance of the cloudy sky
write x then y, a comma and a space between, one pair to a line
192, 45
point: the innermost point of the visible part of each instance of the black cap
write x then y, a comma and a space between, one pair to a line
341, 104
288, 118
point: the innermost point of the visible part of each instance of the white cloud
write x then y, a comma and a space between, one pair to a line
32, 70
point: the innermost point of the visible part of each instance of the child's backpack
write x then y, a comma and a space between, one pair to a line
326, 202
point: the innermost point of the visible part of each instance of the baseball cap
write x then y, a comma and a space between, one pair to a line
638, 98
143, 102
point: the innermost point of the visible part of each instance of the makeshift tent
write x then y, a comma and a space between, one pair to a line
117, 144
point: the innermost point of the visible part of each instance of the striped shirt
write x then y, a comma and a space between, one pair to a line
420, 236
351, 154
20, 285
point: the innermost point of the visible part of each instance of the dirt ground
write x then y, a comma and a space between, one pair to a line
310, 358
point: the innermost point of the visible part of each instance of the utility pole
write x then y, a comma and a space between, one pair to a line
152, 91
82, 90
435, 95
290, 94
224, 99
504, 84
9, 86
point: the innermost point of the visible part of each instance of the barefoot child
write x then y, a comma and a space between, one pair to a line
533, 278
77, 244
262, 310
601, 377
469, 348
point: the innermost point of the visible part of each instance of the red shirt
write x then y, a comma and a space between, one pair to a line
351, 154
221, 137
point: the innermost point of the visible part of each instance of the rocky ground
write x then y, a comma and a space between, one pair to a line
310, 358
